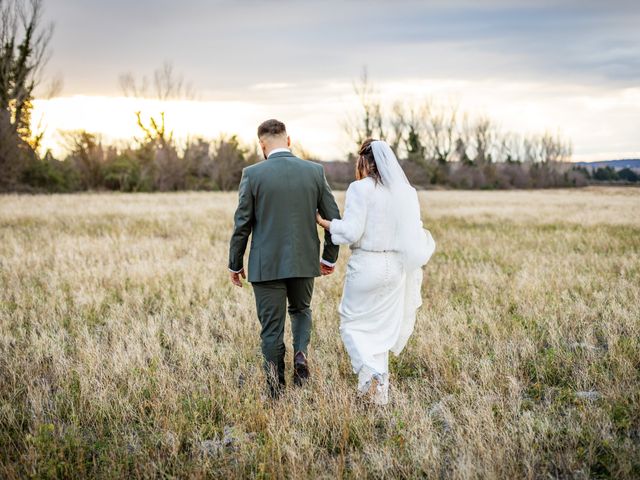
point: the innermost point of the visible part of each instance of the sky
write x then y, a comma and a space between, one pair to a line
571, 66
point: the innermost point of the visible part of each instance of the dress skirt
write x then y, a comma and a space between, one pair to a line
378, 309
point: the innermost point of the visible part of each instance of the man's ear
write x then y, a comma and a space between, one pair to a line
288, 141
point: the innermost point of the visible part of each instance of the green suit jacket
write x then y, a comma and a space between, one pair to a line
278, 199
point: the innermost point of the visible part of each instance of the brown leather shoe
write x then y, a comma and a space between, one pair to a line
300, 369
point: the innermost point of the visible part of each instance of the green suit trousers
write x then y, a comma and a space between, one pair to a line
271, 303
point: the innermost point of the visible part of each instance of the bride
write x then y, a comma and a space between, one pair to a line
382, 224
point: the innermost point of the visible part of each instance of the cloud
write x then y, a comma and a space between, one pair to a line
227, 46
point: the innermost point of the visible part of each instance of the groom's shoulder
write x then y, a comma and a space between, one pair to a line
307, 165
255, 168
251, 168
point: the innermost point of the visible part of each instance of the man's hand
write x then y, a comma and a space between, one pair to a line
235, 277
326, 224
326, 269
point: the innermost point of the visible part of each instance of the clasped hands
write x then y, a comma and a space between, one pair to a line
324, 269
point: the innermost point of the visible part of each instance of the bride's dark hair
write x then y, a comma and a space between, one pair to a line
366, 164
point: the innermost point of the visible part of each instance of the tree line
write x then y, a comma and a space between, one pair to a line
438, 144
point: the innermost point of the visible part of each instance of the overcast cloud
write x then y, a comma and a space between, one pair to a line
230, 45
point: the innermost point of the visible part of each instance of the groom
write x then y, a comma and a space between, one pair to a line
278, 199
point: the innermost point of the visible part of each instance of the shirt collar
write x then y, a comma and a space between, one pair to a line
278, 150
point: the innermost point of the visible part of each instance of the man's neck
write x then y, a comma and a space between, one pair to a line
277, 150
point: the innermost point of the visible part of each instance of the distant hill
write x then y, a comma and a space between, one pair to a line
633, 163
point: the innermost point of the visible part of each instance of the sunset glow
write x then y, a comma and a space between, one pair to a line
597, 120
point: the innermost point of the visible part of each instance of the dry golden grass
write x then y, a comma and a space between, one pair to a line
125, 351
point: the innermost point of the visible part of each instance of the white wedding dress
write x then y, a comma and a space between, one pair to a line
382, 224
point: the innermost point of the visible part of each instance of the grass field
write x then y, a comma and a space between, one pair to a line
125, 351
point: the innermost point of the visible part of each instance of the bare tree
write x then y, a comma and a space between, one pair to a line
398, 126
415, 141
166, 83
23, 56
158, 153
131, 88
369, 122
155, 132
484, 135
532, 148
462, 142
554, 149
24, 53
53, 87
509, 148
441, 126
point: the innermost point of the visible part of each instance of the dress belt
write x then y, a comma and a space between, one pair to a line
375, 251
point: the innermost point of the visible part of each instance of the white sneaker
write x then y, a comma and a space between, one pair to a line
373, 385
365, 376
381, 389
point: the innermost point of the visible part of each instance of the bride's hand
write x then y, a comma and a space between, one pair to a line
322, 222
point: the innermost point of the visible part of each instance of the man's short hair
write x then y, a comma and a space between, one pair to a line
272, 128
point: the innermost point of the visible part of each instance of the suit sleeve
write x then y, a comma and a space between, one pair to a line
351, 228
243, 223
329, 210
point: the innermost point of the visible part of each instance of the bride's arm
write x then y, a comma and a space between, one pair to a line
350, 228
338, 239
